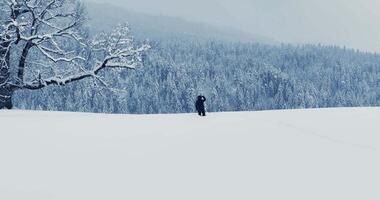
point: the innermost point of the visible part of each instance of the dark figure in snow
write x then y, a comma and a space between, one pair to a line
200, 105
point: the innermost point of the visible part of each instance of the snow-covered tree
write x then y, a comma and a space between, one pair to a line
45, 42
233, 76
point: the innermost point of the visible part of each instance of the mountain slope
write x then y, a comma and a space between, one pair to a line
302, 154
158, 27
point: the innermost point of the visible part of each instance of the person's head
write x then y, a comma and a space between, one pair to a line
201, 98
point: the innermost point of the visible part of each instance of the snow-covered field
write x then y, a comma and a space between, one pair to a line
328, 154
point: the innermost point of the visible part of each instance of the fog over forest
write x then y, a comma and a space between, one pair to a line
350, 23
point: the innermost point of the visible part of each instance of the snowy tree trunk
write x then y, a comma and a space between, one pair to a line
5, 97
5, 90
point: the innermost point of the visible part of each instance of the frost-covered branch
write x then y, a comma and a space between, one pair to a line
118, 52
52, 32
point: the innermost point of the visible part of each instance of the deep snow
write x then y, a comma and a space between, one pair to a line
327, 154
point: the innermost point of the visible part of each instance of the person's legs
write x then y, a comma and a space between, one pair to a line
199, 113
9, 105
203, 113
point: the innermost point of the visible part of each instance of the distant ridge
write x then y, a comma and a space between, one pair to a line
159, 27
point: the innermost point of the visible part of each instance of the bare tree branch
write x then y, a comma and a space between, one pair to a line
52, 32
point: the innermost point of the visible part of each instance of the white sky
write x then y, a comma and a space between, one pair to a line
351, 23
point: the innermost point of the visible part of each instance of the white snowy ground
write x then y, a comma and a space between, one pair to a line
329, 154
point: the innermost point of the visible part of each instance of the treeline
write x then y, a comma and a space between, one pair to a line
234, 77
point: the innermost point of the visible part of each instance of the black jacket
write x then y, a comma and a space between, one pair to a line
200, 103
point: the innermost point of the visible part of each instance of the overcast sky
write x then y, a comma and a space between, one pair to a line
351, 23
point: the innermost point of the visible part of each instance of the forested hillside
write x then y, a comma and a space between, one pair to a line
234, 77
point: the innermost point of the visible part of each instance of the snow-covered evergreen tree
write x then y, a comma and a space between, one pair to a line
233, 76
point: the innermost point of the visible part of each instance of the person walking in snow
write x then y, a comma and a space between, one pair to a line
200, 105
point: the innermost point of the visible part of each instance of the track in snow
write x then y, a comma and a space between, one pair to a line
300, 154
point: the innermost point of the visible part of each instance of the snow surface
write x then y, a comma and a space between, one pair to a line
328, 154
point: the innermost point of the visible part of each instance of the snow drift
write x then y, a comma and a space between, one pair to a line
303, 154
